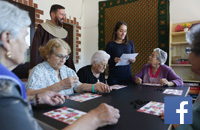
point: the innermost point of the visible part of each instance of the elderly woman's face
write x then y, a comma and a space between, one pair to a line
101, 66
153, 60
58, 58
19, 47
195, 61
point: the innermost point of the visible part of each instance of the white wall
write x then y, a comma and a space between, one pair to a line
87, 13
73, 8
184, 10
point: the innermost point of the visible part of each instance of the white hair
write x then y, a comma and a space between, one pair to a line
193, 37
12, 19
99, 56
162, 55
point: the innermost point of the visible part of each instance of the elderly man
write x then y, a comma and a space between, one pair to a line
156, 72
48, 30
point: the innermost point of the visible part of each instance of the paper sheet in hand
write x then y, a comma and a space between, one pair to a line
125, 59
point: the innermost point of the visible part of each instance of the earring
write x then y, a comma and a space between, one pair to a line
9, 54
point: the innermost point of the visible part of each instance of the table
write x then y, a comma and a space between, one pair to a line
129, 117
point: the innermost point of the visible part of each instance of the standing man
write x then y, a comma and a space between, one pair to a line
48, 30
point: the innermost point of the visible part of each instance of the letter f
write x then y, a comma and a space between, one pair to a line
182, 111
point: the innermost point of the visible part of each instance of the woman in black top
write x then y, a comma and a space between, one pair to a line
119, 45
95, 72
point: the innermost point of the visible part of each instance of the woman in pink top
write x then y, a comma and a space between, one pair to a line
156, 72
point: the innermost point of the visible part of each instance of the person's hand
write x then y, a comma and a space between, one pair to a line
164, 82
105, 115
117, 59
132, 60
68, 83
162, 116
51, 98
138, 80
102, 88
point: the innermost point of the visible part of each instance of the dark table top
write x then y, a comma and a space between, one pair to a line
123, 100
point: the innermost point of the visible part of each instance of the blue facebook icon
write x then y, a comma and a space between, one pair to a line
178, 110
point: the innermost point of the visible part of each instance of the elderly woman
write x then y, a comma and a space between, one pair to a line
193, 37
16, 112
53, 75
13, 98
95, 72
156, 72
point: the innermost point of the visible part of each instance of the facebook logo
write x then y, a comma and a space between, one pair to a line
178, 110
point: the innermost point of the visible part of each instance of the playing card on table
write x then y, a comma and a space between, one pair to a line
151, 84
65, 114
117, 86
173, 91
154, 108
84, 97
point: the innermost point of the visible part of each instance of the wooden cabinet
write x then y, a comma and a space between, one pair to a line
178, 58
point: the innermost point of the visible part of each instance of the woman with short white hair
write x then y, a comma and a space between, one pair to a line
95, 72
156, 72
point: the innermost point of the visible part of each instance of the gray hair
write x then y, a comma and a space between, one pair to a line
99, 56
12, 19
193, 37
162, 55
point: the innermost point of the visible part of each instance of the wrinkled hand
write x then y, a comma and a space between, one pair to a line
117, 59
132, 60
105, 115
51, 98
102, 88
164, 82
68, 83
138, 80
162, 116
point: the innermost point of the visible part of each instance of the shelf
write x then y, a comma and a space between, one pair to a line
179, 43
181, 65
193, 81
178, 33
177, 48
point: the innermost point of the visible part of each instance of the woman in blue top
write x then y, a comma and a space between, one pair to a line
119, 45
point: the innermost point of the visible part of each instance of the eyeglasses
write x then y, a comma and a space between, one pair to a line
153, 56
188, 50
60, 57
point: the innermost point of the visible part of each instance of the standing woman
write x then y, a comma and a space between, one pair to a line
120, 44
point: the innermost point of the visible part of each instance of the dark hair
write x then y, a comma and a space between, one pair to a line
193, 37
55, 7
114, 35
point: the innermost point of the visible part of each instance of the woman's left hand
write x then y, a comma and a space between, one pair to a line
132, 60
164, 82
102, 88
162, 116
